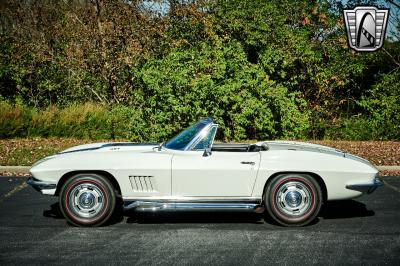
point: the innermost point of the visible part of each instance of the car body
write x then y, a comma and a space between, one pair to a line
291, 180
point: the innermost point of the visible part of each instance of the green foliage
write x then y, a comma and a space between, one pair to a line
218, 81
354, 128
80, 121
13, 120
382, 117
126, 123
382, 102
262, 69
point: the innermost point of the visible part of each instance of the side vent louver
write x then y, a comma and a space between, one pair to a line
142, 183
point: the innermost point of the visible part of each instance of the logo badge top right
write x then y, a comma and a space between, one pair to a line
366, 27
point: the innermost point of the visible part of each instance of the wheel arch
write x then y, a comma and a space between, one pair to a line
318, 178
103, 173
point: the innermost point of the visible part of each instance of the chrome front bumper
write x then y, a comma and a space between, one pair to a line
41, 186
366, 188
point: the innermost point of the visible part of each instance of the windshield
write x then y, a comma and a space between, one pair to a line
206, 140
183, 139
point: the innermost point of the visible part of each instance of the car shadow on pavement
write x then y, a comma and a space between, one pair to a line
194, 217
55, 213
331, 210
345, 209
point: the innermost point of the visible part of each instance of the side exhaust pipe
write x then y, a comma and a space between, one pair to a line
143, 206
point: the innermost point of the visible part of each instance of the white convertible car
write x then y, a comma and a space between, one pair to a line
290, 180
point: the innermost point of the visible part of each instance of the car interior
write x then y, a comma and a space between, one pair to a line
228, 147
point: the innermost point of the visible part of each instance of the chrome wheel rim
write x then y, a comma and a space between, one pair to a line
294, 198
86, 200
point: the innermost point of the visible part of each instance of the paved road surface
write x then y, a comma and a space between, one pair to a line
363, 231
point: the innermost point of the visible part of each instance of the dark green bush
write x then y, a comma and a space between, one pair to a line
382, 102
218, 81
354, 128
262, 69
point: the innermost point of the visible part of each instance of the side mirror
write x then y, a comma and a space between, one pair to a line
160, 146
207, 152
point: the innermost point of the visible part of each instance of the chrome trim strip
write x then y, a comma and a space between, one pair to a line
143, 206
114, 144
366, 188
194, 199
209, 124
199, 137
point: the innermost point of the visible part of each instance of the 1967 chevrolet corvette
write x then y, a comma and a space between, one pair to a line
290, 180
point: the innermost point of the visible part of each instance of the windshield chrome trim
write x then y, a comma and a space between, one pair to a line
199, 136
196, 137
208, 122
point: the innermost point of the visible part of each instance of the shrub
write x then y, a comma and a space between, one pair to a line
126, 123
14, 120
354, 128
87, 121
382, 102
43, 122
218, 81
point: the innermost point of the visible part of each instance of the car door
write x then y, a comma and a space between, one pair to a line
220, 174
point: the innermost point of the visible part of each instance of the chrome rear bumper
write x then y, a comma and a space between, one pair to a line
366, 188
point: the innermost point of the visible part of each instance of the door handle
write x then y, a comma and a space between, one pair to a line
251, 163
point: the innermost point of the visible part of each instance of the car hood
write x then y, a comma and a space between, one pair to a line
110, 145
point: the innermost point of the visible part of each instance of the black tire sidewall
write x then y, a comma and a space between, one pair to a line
284, 219
103, 184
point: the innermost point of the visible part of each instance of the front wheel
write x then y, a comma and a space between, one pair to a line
293, 199
87, 200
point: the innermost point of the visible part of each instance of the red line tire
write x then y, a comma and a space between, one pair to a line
87, 200
293, 199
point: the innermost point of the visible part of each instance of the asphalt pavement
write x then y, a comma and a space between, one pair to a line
361, 231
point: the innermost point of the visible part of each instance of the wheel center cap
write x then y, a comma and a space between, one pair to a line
86, 200
293, 198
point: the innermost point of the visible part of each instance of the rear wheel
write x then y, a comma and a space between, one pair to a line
293, 199
87, 200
